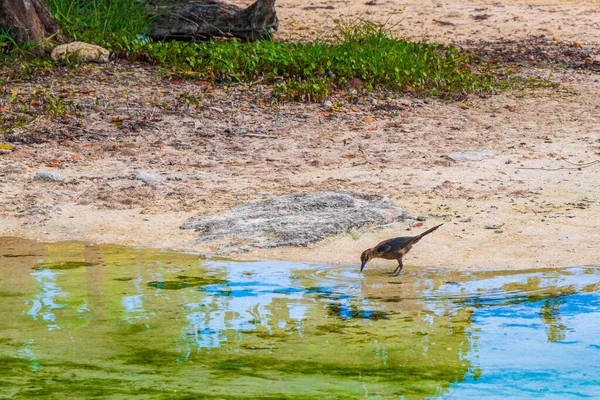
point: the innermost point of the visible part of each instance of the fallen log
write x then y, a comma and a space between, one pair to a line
203, 19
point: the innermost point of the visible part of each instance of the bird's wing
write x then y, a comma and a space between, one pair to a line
394, 245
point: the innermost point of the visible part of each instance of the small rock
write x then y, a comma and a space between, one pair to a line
557, 135
421, 218
494, 226
49, 176
16, 168
41, 210
328, 104
471, 155
148, 177
60, 194
80, 52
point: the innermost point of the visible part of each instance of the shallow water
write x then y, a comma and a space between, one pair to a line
80, 320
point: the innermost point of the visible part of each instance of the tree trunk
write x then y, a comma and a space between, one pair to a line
203, 19
28, 21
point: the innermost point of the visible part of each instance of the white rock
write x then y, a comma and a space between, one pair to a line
49, 176
80, 52
471, 155
148, 177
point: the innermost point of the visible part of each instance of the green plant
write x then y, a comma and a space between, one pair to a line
310, 71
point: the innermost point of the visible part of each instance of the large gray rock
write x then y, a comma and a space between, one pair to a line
297, 219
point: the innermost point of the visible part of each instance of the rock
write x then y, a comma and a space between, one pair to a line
148, 177
297, 219
16, 168
80, 52
327, 104
471, 155
42, 210
49, 176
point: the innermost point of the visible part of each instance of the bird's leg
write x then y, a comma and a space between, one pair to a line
399, 267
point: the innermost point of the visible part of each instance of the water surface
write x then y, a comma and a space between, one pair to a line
80, 320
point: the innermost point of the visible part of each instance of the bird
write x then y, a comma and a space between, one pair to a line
393, 249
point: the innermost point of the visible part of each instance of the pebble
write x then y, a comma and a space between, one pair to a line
148, 177
49, 176
421, 218
328, 104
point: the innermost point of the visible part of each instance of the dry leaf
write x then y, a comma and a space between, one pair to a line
348, 156
368, 120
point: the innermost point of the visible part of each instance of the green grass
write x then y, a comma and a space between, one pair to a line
108, 23
308, 71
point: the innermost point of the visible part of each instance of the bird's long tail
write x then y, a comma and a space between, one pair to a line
427, 232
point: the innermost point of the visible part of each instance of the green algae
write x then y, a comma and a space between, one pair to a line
64, 265
107, 327
183, 282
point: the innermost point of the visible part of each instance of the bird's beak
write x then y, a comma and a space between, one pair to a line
363, 265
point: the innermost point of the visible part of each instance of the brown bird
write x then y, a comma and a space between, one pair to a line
393, 249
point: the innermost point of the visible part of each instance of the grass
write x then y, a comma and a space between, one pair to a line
296, 71
311, 71
107, 23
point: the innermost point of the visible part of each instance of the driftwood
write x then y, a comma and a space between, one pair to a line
28, 21
203, 19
